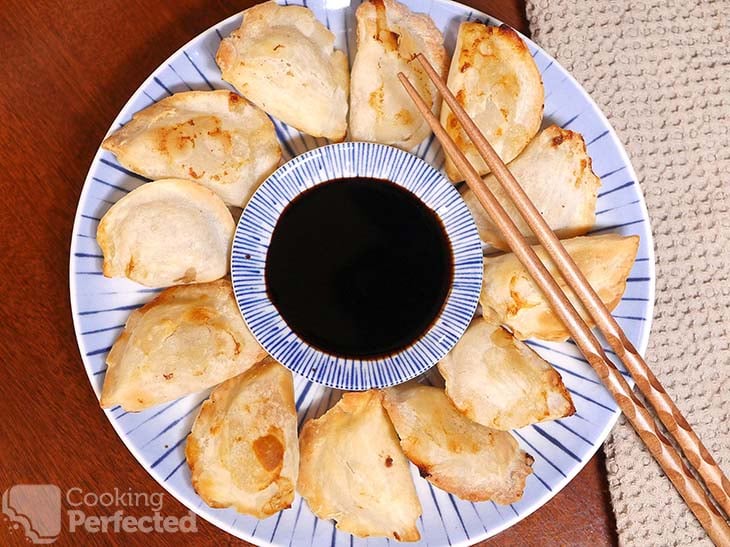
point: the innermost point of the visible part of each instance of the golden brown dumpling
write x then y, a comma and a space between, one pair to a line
243, 450
284, 61
215, 138
474, 462
354, 471
389, 36
510, 297
167, 232
497, 381
187, 339
495, 79
555, 172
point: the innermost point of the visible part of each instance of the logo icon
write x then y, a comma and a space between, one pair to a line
37, 508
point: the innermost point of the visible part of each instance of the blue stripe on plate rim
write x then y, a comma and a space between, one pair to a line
336, 161
597, 412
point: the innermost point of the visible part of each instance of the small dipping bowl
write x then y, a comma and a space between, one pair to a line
346, 161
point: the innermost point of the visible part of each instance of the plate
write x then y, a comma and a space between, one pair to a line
156, 437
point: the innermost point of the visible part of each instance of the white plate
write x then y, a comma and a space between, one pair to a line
156, 437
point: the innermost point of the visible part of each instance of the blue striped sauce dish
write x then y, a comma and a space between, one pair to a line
251, 245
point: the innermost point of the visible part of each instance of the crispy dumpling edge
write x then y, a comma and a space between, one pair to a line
460, 488
490, 234
194, 451
106, 239
557, 331
507, 31
426, 28
550, 376
120, 344
227, 56
114, 141
310, 436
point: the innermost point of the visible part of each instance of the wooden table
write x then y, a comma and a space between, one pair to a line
68, 68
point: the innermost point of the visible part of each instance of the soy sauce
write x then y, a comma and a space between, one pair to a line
359, 267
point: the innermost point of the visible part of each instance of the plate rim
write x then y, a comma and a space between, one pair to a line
507, 523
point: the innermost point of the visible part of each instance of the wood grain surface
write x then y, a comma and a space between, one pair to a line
68, 69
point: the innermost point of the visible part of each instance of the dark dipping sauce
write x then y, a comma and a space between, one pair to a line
359, 267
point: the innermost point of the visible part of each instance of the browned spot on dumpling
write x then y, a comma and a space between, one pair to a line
200, 315
376, 100
509, 33
514, 306
404, 116
562, 137
188, 277
462, 446
467, 55
383, 34
130, 266
389, 39
223, 136
182, 141
501, 338
518, 303
269, 452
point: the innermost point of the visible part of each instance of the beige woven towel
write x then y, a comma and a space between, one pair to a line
660, 70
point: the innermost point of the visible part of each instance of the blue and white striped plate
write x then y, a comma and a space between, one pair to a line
346, 160
156, 437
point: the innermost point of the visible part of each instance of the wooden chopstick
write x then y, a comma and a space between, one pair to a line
667, 411
637, 414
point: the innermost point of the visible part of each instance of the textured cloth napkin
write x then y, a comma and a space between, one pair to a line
660, 70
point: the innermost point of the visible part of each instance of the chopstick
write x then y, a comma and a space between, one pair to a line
672, 418
637, 414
